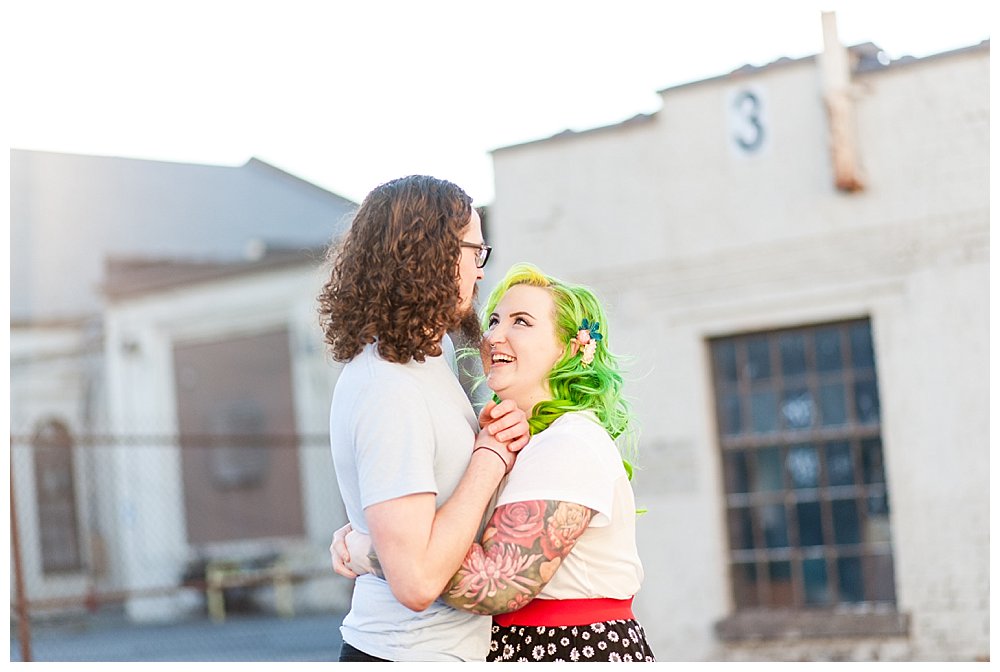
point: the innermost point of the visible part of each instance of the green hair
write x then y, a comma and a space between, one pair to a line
596, 387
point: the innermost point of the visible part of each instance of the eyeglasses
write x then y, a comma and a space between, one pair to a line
482, 252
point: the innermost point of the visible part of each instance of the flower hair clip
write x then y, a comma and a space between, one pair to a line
587, 336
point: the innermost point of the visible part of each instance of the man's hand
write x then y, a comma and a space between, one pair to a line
506, 423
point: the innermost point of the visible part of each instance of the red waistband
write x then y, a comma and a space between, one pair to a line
567, 612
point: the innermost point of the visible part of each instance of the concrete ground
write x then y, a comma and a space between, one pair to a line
109, 637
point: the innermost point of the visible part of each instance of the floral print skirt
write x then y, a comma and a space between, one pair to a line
615, 641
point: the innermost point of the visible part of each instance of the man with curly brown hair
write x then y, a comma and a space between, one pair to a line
415, 470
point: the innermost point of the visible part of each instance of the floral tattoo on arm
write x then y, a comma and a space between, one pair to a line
376, 566
522, 547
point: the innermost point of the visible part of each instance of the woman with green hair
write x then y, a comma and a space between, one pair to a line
557, 565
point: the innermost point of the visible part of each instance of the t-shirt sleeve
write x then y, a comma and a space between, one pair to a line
393, 442
568, 468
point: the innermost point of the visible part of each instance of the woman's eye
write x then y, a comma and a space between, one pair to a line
521, 320
493, 322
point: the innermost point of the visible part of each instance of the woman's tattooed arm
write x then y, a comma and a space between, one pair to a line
376, 566
522, 547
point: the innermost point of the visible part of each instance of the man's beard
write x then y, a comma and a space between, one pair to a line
468, 330
467, 336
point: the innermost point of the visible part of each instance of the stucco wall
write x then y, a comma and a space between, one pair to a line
688, 238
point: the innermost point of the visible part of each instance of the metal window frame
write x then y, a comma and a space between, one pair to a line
853, 432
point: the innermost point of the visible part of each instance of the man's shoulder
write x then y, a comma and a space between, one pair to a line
368, 367
367, 380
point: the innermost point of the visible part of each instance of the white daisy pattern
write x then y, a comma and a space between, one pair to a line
619, 640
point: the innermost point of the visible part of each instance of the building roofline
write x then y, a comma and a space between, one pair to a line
253, 163
865, 49
128, 278
569, 133
62, 322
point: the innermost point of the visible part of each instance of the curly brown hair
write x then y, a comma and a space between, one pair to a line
394, 274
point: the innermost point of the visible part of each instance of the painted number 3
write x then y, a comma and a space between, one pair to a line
749, 130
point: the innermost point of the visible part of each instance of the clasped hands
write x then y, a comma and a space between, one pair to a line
504, 430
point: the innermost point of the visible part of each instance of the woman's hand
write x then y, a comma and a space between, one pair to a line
351, 553
339, 555
507, 423
362, 556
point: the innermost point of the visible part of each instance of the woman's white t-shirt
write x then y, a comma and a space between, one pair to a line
575, 460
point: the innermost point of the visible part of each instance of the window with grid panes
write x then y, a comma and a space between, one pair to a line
806, 498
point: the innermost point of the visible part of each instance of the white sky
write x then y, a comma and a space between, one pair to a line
350, 94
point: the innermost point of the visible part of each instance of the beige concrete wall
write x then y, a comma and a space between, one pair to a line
687, 238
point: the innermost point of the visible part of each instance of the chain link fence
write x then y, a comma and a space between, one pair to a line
149, 528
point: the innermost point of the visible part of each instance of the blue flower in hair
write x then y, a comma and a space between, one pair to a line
592, 329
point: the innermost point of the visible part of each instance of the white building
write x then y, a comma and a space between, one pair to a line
230, 356
157, 308
797, 257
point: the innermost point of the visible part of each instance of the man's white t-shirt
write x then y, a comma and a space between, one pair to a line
575, 460
395, 430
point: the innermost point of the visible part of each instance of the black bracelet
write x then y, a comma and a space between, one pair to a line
506, 469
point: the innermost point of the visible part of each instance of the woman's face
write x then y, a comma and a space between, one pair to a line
520, 346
